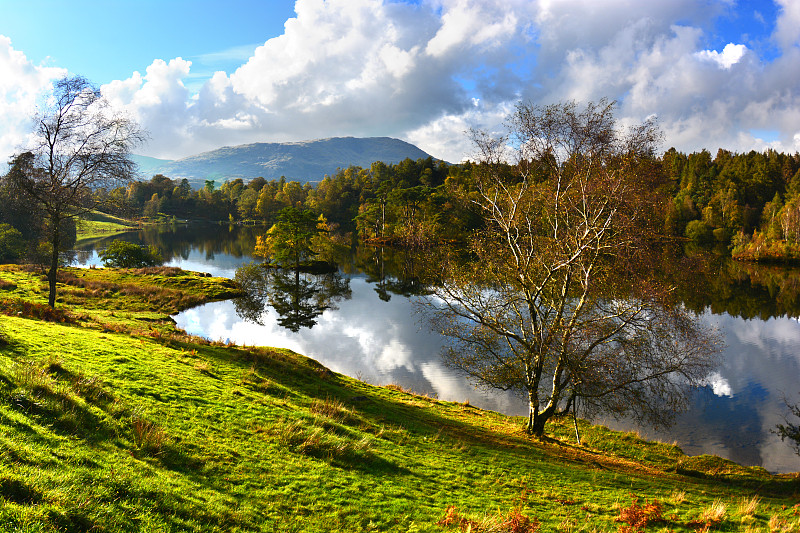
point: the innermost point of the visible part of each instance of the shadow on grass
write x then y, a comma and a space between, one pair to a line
283, 373
19, 492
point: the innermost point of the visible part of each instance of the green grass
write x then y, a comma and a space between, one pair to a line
96, 225
111, 420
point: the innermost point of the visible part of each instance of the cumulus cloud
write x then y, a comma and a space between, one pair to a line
729, 56
719, 385
787, 28
342, 67
428, 72
22, 84
158, 100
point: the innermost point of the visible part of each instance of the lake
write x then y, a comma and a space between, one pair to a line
368, 328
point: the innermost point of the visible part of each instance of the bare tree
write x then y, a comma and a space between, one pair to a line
557, 302
80, 144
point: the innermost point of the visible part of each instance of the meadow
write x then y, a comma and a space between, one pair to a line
111, 419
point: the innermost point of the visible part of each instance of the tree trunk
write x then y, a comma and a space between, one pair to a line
536, 420
53, 272
535, 425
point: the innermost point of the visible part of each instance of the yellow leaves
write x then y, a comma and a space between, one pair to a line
263, 248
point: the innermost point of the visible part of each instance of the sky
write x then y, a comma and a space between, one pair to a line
202, 74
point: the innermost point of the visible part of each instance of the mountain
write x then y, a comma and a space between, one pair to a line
301, 161
148, 166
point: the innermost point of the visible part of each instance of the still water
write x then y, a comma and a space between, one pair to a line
371, 331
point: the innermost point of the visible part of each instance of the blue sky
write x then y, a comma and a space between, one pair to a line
110, 39
203, 74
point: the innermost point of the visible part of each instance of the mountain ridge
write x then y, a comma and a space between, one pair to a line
302, 161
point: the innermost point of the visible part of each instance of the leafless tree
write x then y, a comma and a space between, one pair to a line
80, 144
557, 302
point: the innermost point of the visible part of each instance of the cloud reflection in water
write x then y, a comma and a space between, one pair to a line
384, 342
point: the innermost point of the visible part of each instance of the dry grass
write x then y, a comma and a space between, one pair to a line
148, 436
748, 506
331, 408
204, 367
21, 308
31, 376
677, 497
711, 516
778, 524
152, 294
513, 522
398, 388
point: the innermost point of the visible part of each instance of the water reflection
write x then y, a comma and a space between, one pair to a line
380, 343
375, 335
734, 416
298, 298
213, 248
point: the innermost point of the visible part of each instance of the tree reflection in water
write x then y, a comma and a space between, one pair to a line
299, 298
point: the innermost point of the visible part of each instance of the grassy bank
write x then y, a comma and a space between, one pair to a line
111, 420
96, 225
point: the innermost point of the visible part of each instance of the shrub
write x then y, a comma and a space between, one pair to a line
123, 254
12, 244
698, 231
638, 517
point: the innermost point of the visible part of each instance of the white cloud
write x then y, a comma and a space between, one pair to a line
21, 85
465, 24
342, 67
787, 27
448, 136
380, 67
729, 56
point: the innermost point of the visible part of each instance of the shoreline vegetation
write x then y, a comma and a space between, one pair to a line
720, 201
111, 419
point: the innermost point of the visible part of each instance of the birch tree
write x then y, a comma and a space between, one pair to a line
556, 302
80, 144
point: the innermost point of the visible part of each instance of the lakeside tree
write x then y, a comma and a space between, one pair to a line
80, 145
124, 254
290, 242
12, 244
556, 301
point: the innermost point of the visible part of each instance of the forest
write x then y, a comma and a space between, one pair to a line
744, 204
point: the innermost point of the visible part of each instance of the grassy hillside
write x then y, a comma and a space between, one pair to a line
110, 420
96, 224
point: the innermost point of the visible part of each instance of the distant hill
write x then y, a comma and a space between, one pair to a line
301, 161
148, 166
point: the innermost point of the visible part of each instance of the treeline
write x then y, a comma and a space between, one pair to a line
731, 199
747, 203
734, 199
410, 201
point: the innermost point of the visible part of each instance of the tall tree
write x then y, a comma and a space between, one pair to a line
80, 145
289, 243
553, 304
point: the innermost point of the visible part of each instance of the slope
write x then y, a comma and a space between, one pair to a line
110, 420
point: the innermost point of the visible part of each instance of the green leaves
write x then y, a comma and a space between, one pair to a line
290, 242
123, 254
